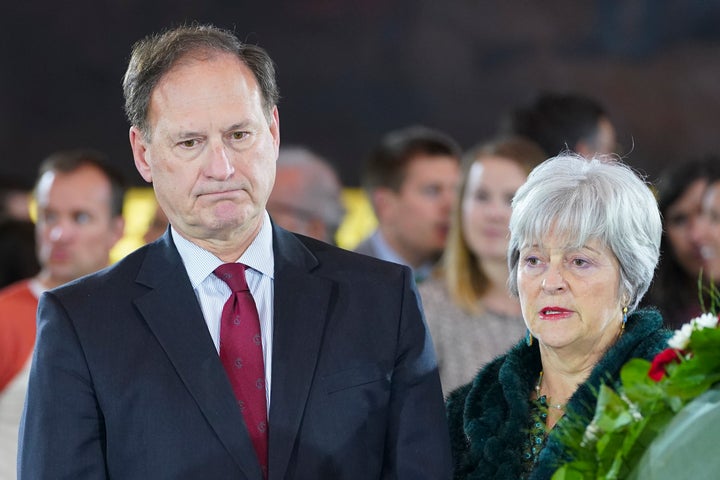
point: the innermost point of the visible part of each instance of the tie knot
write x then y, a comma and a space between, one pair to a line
234, 275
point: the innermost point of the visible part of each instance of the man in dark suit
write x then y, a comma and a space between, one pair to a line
129, 379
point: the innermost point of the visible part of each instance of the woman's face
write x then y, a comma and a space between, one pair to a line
681, 218
708, 232
492, 181
569, 296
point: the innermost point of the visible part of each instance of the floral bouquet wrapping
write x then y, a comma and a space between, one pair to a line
651, 394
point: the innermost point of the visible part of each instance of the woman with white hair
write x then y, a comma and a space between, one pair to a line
584, 244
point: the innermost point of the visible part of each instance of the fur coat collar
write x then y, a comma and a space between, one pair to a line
489, 417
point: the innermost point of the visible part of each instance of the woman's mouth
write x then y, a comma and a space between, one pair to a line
555, 313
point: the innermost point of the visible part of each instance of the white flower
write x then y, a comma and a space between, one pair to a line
681, 337
591, 434
706, 320
632, 408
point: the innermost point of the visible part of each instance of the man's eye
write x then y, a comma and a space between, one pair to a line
48, 217
82, 218
188, 143
238, 135
431, 190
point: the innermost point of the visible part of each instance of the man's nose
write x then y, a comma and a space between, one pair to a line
60, 231
219, 165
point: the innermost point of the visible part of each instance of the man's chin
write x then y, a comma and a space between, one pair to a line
232, 223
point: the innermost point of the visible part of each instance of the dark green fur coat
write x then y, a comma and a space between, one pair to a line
489, 417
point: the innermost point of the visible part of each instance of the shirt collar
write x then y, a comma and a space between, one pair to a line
385, 252
200, 263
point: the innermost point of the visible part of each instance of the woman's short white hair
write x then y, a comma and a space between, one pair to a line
601, 199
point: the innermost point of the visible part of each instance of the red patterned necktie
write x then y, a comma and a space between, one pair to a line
242, 356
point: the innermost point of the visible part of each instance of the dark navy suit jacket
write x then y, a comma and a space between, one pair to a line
126, 382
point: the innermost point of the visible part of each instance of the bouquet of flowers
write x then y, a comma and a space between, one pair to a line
627, 419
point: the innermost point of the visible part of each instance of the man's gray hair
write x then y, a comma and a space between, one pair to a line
155, 55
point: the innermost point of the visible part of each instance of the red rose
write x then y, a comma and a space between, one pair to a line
657, 368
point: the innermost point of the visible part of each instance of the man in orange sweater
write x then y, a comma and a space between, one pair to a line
79, 219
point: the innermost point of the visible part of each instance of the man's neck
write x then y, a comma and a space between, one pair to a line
230, 247
408, 257
47, 281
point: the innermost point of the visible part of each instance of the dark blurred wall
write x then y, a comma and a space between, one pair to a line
351, 70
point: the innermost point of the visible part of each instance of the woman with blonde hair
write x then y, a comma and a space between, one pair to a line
470, 313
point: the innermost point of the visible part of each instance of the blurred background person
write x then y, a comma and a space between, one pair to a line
157, 226
306, 197
410, 178
14, 198
471, 315
707, 231
564, 121
679, 193
17, 251
584, 244
79, 219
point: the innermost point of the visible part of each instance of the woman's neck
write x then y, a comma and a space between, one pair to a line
561, 377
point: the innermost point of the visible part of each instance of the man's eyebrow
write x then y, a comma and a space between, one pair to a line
237, 126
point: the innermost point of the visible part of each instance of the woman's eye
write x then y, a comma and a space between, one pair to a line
532, 261
579, 262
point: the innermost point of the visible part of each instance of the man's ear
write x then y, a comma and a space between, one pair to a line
139, 150
383, 201
118, 229
275, 127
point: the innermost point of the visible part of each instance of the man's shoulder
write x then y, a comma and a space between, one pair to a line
333, 257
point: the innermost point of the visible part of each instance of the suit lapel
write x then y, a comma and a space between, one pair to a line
173, 314
301, 306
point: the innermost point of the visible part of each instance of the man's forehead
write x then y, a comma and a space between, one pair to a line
205, 86
432, 167
86, 180
204, 63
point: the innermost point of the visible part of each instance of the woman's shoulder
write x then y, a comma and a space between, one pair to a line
434, 288
480, 385
496, 379
647, 333
492, 410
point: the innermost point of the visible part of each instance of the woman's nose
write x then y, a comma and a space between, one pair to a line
553, 280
